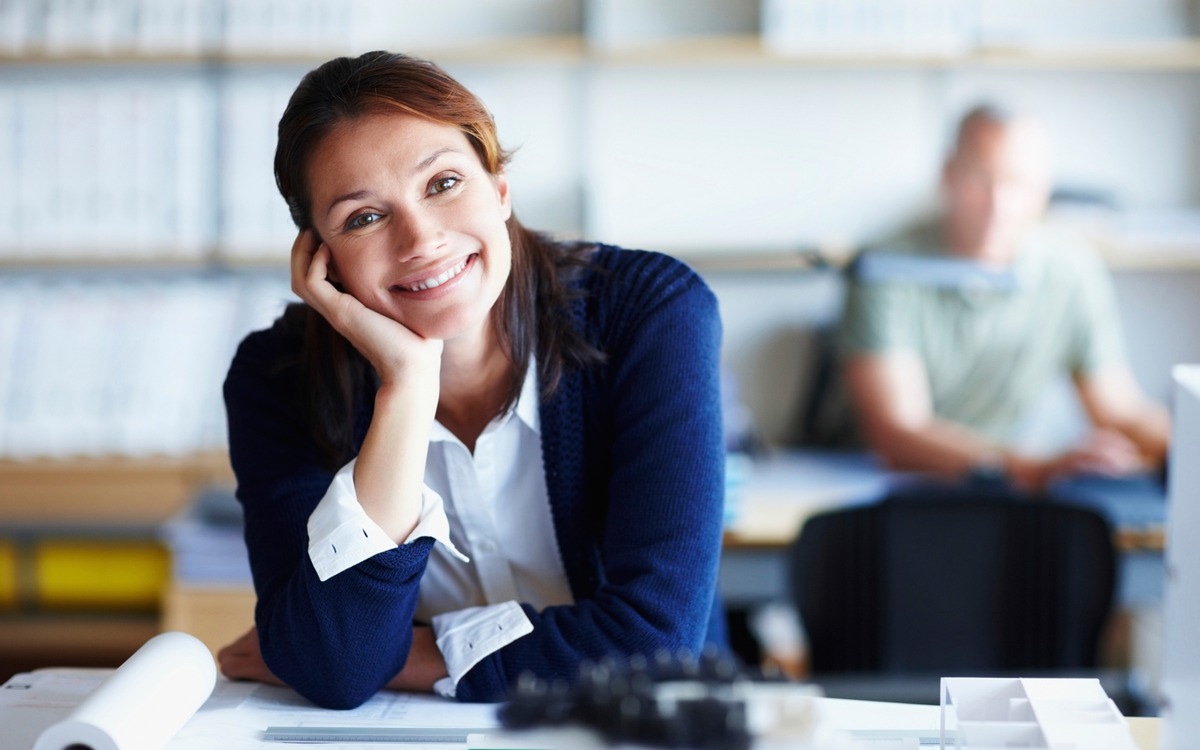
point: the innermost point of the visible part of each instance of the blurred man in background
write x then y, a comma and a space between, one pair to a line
954, 331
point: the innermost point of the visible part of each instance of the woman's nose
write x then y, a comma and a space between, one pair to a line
417, 234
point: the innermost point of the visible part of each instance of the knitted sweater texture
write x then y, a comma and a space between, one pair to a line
634, 462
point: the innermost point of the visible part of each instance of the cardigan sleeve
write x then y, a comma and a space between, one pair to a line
662, 523
335, 642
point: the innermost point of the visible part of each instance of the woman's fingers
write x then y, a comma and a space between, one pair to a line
303, 250
311, 260
322, 294
242, 660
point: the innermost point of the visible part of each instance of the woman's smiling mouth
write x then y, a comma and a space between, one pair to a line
446, 276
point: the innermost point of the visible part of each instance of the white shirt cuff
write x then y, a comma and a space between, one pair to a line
466, 636
341, 534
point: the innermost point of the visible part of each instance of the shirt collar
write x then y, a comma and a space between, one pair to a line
526, 409
528, 401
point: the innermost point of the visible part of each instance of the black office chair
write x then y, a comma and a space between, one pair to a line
954, 581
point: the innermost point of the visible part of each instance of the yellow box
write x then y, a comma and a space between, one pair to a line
92, 574
9, 582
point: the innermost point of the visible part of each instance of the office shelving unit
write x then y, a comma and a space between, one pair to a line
588, 39
575, 55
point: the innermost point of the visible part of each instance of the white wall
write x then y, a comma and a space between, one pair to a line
758, 157
702, 159
1135, 134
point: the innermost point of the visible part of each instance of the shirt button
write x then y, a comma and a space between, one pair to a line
486, 547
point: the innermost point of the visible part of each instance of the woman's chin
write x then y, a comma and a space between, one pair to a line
446, 327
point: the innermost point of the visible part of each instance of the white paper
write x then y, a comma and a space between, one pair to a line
145, 702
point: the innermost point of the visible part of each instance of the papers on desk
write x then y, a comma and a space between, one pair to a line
167, 697
237, 714
140, 709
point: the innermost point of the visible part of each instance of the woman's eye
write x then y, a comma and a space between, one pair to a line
362, 220
442, 184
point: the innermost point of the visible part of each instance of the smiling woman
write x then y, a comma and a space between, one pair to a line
472, 451
413, 224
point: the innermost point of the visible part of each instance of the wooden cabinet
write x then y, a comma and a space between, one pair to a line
217, 615
113, 506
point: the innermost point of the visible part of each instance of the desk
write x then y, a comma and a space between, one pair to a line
227, 721
780, 491
1145, 731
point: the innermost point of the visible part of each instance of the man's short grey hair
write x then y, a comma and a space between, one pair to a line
986, 113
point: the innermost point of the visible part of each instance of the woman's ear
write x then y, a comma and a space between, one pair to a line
501, 181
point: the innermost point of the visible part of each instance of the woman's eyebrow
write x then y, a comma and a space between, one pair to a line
356, 195
424, 163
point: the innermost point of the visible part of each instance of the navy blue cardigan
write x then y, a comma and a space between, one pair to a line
634, 462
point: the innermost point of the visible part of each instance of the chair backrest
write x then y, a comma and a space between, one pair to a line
938, 581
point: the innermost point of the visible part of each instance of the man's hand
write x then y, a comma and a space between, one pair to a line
1106, 452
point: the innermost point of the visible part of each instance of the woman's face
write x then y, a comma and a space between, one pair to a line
414, 223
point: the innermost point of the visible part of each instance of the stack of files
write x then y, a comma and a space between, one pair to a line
109, 27
254, 221
206, 544
269, 27
107, 167
879, 27
122, 366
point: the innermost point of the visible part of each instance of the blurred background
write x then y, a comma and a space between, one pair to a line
763, 141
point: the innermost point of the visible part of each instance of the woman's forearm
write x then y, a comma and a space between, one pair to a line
390, 470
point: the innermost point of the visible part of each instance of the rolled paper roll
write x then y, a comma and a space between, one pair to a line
144, 703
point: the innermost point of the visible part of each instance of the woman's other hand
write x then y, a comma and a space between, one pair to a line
243, 660
424, 666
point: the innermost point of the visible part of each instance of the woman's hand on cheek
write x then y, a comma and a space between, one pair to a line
397, 354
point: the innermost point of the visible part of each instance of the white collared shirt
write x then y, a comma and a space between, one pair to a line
495, 506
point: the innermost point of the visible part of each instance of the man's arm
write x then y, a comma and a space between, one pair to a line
891, 395
1114, 401
895, 411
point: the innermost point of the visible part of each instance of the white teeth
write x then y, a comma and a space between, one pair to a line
440, 279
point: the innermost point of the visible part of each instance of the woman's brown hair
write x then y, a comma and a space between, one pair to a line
530, 315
